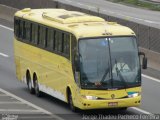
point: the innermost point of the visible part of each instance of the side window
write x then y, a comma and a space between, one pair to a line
27, 31
16, 27
50, 39
55, 41
66, 44
42, 36
34, 33
58, 43
59, 38
74, 47
21, 29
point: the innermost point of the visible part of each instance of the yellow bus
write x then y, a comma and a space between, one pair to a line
80, 59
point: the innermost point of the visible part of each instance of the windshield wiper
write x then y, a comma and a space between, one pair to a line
120, 75
105, 74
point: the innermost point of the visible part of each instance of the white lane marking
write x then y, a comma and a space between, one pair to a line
137, 18
11, 103
108, 11
130, 17
38, 109
68, 1
142, 111
149, 21
3, 95
127, 16
151, 78
8, 28
152, 22
20, 110
80, 4
88, 6
26, 102
91, 7
4, 55
36, 117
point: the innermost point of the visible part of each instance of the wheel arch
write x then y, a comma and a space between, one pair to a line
28, 74
35, 77
68, 91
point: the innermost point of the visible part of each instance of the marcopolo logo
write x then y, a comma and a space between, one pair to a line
113, 96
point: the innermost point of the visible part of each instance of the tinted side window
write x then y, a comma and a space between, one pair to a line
74, 51
50, 39
34, 33
21, 29
56, 41
16, 27
66, 44
42, 36
59, 41
74, 47
58, 38
27, 31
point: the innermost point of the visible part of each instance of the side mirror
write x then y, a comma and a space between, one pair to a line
144, 63
77, 63
144, 60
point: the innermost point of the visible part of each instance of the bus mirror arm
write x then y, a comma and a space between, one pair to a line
144, 60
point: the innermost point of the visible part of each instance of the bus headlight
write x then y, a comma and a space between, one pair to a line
133, 95
89, 97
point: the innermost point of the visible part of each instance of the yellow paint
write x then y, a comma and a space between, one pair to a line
54, 71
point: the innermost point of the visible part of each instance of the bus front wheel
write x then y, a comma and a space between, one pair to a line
70, 101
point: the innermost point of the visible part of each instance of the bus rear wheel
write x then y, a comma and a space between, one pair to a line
71, 105
36, 87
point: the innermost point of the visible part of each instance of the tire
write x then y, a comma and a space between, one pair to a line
71, 105
36, 87
29, 84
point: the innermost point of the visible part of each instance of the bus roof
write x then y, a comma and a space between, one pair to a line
80, 24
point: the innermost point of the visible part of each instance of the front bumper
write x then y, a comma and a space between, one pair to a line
114, 103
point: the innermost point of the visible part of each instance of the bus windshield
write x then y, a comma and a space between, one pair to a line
109, 63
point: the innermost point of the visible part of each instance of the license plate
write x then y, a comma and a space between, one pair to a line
112, 104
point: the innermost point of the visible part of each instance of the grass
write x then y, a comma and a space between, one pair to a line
139, 3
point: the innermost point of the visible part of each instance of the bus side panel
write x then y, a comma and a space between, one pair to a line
53, 71
22, 61
52, 78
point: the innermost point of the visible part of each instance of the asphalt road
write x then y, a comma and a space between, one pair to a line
142, 16
8, 82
